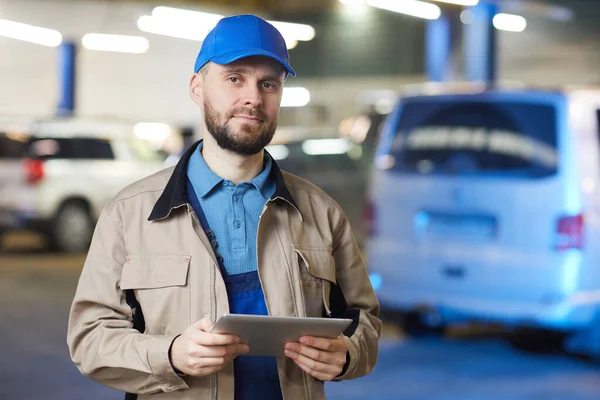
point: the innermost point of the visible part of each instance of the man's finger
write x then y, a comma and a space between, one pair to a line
331, 345
319, 375
205, 324
314, 365
205, 362
205, 371
218, 351
316, 354
214, 339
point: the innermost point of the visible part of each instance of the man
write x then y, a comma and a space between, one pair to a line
223, 231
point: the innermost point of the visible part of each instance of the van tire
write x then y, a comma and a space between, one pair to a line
72, 228
412, 323
537, 340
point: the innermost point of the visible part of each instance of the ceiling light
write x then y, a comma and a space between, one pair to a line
295, 97
466, 3
116, 43
178, 15
509, 22
152, 131
290, 43
278, 151
413, 8
146, 23
195, 25
315, 147
297, 31
30, 33
467, 17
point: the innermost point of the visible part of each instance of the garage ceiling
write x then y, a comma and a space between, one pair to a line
270, 6
552, 9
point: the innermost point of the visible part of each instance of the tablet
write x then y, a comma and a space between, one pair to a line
267, 335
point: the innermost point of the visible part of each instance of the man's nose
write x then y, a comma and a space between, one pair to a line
252, 96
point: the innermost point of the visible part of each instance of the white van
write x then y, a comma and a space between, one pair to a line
485, 205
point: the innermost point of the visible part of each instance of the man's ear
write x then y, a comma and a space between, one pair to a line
196, 89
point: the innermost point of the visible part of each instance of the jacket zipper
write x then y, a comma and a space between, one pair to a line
213, 317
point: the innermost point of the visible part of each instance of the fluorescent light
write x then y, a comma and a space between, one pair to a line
296, 31
466, 3
315, 147
467, 17
202, 20
509, 22
195, 25
295, 97
290, 43
30, 33
278, 151
414, 8
146, 23
152, 131
116, 43
178, 16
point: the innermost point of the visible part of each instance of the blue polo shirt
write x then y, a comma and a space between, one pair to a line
232, 213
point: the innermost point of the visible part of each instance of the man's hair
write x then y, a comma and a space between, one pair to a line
204, 70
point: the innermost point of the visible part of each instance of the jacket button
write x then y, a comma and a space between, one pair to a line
237, 224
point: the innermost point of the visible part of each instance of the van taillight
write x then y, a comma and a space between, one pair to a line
569, 232
369, 218
34, 170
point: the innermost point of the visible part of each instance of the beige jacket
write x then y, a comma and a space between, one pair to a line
148, 242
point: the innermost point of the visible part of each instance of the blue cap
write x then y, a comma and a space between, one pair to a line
242, 36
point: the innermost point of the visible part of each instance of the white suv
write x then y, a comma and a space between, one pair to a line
55, 176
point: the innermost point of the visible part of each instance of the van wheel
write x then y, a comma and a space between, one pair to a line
72, 228
537, 340
413, 323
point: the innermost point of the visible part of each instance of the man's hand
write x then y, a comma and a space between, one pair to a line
198, 352
320, 357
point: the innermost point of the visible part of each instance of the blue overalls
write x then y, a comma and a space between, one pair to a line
255, 377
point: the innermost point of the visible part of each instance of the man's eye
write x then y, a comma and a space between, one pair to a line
233, 79
268, 85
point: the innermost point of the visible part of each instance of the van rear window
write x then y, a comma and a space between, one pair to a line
476, 138
12, 146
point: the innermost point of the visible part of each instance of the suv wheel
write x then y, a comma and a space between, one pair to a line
72, 228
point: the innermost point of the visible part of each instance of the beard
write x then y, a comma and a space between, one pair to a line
248, 140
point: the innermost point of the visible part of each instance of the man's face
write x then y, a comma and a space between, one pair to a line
241, 102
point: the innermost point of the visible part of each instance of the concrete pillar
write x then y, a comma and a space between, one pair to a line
441, 39
67, 54
480, 49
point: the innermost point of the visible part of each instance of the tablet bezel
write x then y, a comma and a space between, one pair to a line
267, 335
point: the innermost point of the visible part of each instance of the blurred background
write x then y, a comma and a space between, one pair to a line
461, 138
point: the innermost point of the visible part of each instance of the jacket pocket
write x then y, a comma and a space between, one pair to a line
317, 272
159, 282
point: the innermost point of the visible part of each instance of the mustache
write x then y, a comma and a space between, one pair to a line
247, 112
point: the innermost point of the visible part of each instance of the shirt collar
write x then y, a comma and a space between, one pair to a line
175, 193
264, 182
202, 177
204, 180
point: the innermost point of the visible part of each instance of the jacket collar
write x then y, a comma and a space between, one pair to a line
175, 193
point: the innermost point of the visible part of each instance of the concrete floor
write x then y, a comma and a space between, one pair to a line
36, 289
